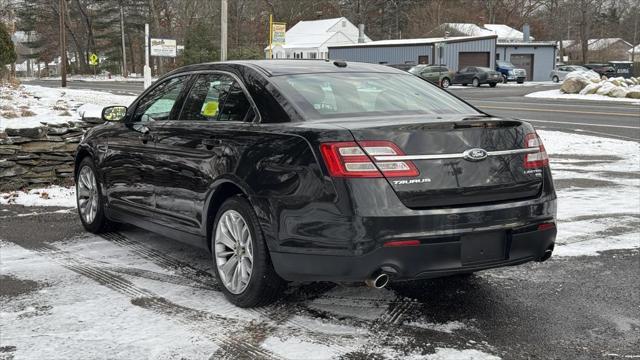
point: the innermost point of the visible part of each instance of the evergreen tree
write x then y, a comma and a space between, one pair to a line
7, 50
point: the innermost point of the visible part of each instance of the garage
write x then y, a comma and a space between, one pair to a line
473, 59
524, 61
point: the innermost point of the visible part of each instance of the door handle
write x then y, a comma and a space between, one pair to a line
210, 143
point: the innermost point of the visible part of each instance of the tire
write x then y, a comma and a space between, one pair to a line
493, 84
88, 192
263, 285
504, 79
475, 82
555, 79
445, 83
520, 81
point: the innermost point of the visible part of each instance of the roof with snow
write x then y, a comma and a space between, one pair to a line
314, 33
419, 41
505, 33
601, 44
636, 48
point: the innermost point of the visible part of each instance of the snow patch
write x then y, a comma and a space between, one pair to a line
448, 327
454, 354
557, 94
293, 348
49, 196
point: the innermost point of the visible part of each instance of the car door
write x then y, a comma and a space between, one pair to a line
130, 161
469, 74
459, 76
199, 147
429, 75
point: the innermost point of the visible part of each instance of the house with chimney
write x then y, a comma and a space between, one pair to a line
600, 50
311, 39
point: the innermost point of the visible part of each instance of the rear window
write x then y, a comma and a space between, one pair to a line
330, 95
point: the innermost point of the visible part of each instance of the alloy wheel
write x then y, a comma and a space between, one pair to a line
233, 251
87, 193
445, 83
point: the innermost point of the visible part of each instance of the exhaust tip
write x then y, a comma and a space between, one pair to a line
379, 281
547, 254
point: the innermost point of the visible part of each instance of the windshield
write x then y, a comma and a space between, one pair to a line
330, 95
503, 63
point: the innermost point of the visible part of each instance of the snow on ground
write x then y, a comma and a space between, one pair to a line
557, 94
598, 186
50, 105
114, 78
50, 196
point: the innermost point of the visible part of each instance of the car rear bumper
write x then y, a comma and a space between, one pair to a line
436, 256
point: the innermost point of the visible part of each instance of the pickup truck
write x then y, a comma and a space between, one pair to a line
510, 72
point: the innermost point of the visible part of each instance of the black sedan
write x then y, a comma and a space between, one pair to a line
319, 171
476, 76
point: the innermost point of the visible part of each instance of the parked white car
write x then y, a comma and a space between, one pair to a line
561, 71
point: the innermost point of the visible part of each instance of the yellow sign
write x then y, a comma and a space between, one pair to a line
93, 59
279, 31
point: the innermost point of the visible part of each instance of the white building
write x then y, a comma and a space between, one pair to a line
631, 51
311, 39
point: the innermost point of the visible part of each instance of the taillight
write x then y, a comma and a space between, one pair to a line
537, 159
351, 159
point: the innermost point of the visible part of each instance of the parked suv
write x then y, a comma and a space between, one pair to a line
476, 76
437, 74
510, 72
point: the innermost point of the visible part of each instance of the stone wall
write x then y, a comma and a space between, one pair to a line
38, 156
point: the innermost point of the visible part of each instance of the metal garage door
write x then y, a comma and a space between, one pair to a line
473, 59
524, 61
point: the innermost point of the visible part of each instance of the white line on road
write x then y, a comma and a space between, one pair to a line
585, 124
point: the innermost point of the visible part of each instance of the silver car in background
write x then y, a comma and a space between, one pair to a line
561, 71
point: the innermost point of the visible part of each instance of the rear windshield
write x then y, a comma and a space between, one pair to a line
330, 95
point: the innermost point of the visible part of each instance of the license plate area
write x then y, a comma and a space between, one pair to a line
483, 247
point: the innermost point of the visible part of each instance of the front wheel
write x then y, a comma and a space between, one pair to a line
504, 79
493, 84
445, 83
240, 256
555, 79
476, 82
89, 198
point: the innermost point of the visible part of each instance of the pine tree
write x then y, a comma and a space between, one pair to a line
7, 50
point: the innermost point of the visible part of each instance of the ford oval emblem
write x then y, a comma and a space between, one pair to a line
475, 154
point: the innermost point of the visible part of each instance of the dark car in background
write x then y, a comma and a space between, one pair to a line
436, 74
476, 76
289, 170
602, 69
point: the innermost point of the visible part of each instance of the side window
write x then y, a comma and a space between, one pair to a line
464, 70
205, 97
215, 97
159, 103
236, 106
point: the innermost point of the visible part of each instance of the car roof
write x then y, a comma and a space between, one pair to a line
289, 67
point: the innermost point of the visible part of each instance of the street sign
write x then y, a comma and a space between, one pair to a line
163, 47
93, 59
278, 33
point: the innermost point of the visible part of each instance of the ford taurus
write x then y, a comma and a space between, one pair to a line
290, 170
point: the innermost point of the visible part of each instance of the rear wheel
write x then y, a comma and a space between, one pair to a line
89, 199
555, 79
493, 84
520, 81
475, 82
240, 256
504, 79
445, 83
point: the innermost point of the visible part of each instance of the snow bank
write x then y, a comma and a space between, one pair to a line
557, 94
50, 196
50, 105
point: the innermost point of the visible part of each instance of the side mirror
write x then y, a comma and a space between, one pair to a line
114, 113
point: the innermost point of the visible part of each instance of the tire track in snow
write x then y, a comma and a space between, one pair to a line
201, 321
182, 268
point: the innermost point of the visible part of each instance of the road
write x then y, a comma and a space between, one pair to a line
615, 120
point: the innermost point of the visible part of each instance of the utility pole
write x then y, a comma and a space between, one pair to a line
223, 31
147, 70
63, 46
124, 49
